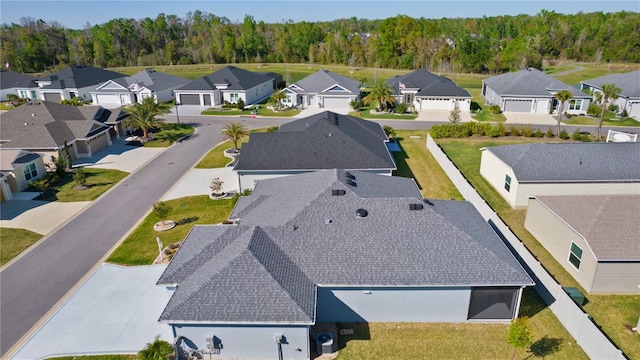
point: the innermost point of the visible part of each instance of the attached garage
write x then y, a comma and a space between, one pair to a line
107, 99
53, 97
207, 99
190, 99
634, 110
336, 102
518, 105
436, 104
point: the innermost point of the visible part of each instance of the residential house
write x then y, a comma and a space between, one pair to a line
629, 84
422, 90
43, 127
128, 90
21, 85
322, 141
334, 246
73, 81
518, 172
18, 167
228, 84
594, 237
531, 91
323, 89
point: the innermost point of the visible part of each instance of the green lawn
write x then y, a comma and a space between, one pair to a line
482, 110
365, 113
611, 312
227, 112
100, 180
215, 158
283, 113
611, 121
14, 241
593, 71
96, 357
140, 247
169, 134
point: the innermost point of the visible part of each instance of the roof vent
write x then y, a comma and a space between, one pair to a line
361, 213
338, 192
349, 175
416, 206
33, 114
335, 119
328, 221
329, 134
351, 182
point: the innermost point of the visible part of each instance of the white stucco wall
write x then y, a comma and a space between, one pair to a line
494, 171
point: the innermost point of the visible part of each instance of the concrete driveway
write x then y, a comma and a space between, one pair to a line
115, 311
196, 182
441, 115
120, 156
530, 119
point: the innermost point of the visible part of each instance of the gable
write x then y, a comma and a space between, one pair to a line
111, 85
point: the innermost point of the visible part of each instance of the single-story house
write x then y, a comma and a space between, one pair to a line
128, 90
321, 141
422, 90
518, 172
596, 238
531, 91
228, 84
323, 89
43, 127
18, 167
73, 81
629, 84
21, 85
334, 246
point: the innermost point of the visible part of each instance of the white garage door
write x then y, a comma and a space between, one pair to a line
107, 99
518, 105
436, 104
189, 99
336, 102
53, 97
634, 111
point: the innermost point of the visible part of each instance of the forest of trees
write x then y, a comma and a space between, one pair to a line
479, 45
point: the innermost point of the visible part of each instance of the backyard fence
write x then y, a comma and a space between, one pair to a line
578, 323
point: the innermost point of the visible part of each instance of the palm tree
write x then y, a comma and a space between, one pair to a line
276, 99
144, 115
562, 96
381, 94
156, 350
609, 92
234, 131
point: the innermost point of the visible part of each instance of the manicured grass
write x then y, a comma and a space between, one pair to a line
459, 341
96, 357
227, 112
466, 155
216, 159
283, 113
4, 105
482, 110
365, 113
613, 121
169, 134
140, 247
416, 162
593, 71
100, 180
14, 241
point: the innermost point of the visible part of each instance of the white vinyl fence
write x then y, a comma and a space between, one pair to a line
594, 343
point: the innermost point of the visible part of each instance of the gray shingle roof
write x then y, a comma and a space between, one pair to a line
428, 84
629, 83
11, 79
317, 239
151, 79
609, 223
235, 78
322, 80
572, 162
80, 76
321, 141
49, 124
530, 82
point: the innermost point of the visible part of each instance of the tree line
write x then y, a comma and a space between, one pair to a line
481, 45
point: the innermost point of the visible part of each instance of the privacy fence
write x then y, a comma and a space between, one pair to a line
593, 341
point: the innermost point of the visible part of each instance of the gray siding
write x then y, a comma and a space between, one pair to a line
249, 342
374, 304
617, 277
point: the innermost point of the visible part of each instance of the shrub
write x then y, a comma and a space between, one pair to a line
356, 104
576, 135
550, 133
563, 134
527, 131
537, 134
389, 131
80, 177
614, 107
401, 108
494, 131
273, 129
514, 130
502, 130
624, 113
594, 110
156, 350
240, 104
61, 167
495, 109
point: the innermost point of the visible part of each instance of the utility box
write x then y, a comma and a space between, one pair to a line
324, 343
575, 294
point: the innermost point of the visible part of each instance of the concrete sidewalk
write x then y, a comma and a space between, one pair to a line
519, 118
114, 312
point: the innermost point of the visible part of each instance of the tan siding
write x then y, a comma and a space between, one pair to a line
98, 143
82, 147
528, 190
617, 278
494, 171
556, 237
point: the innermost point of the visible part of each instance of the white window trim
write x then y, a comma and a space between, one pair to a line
579, 258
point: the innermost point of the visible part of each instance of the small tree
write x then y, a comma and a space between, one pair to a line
61, 168
240, 104
80, 177
381, 94
234, 131
66, 156
389, 131
216, 185
562, 96
161, 209
276, 99
454, 115
609, 92
41, 184
156, 350
519, 334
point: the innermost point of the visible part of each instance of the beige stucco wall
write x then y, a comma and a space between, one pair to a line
19, 182
494, 171
614, 277
527, 190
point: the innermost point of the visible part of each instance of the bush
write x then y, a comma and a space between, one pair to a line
356, 104
240, 104
495, 109
563, 134
156, 350
273, 129
401, 108
494, 131
576, 135
80, 177
527, 131
537, 134
594, 110
624, 113
389, 131
514, 130
502, 130
614, 107
550, 133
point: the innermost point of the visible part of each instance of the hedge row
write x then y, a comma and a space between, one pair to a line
468, 129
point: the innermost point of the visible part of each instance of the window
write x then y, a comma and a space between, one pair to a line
575, 104
233, 98
23, 94
30, 171
507, 183
73, 94
575, 256
33, 94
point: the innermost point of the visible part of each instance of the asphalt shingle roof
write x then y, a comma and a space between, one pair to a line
11, 79
318, 240
322, 80
43, 124
322, 141
428, 84
151, 79
235, 78
609, 223
530, 82
80, 76
629, 83
572, 162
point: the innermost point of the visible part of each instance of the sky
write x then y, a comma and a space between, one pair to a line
75, 14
